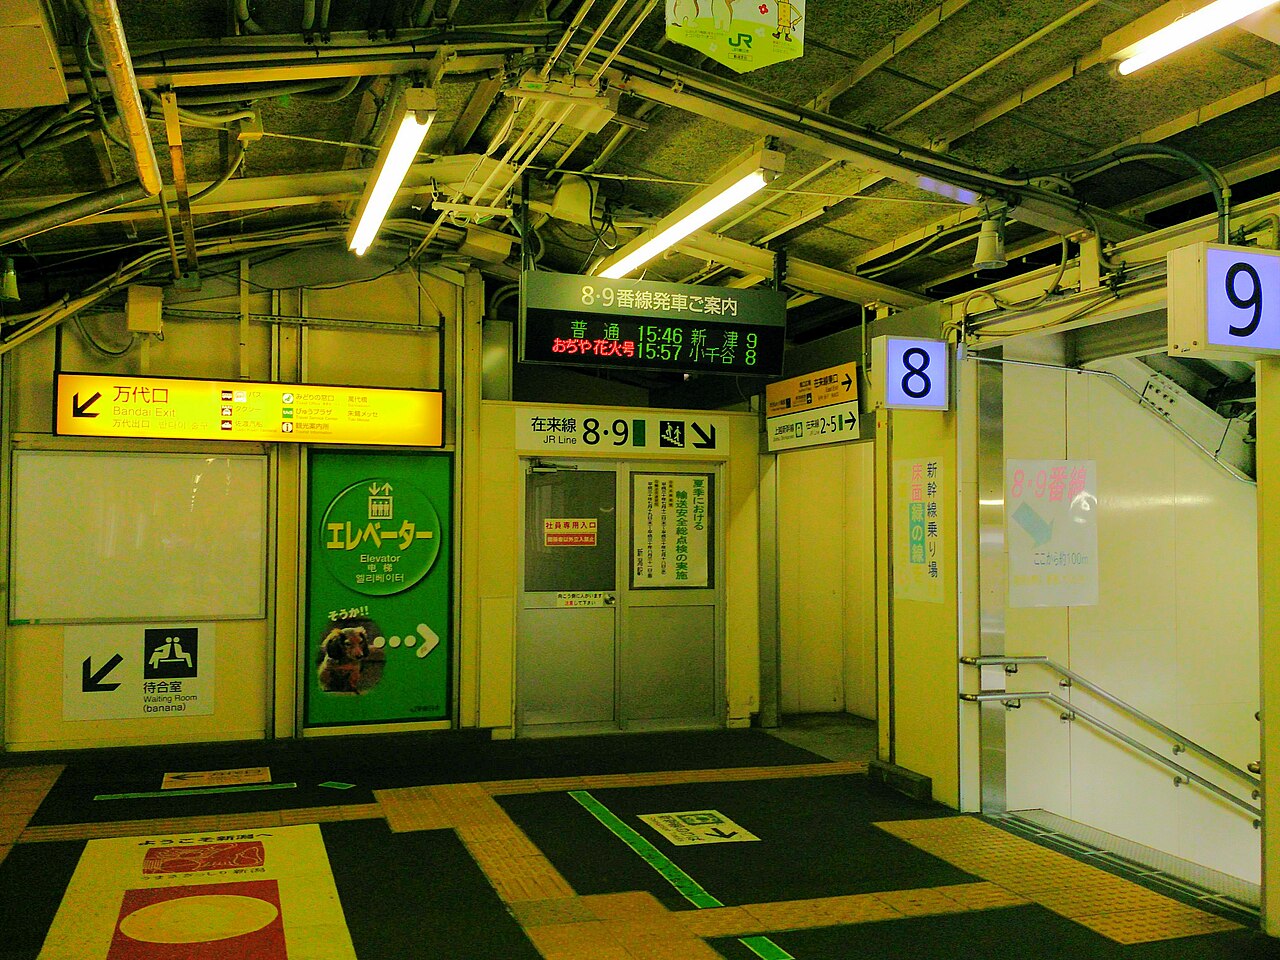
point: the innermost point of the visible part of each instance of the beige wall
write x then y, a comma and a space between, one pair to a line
257, 661
826, 579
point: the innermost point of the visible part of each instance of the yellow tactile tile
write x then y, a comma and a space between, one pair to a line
1109, 905
719, 922
542, 886
541, 913
982, 896
665, 778
859, 908
1147, 926
624, 906
1090, 901
411, 808
919, 903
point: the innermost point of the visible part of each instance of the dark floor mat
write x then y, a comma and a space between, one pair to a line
33, 878
816, 840
377, 762
1030, 931
418, 895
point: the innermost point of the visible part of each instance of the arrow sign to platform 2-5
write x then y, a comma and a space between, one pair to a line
91, 681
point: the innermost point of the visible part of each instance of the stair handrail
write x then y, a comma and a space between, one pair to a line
1073, 712
1076, 680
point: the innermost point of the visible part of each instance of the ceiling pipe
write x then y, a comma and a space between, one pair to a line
60, 214
104, 16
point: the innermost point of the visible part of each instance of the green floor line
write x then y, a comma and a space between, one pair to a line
193, 791
688, 887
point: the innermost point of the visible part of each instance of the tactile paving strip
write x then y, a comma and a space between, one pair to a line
237, 821
22, 790
1112, 906
668, 778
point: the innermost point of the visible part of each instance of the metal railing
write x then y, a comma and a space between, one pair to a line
1073, 712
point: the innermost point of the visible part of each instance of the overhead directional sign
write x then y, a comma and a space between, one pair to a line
822, 388
697, 826
620, 433
809, 428
93, 405
649, 325
1224, 301
819, 407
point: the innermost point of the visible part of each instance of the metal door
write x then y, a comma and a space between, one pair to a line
620, 618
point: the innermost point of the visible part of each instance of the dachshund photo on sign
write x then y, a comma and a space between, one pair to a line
350, 659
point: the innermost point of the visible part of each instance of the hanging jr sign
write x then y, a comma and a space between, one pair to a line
744, 35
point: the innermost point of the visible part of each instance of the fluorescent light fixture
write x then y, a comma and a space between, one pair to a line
1187, 30
394, 160
704, 206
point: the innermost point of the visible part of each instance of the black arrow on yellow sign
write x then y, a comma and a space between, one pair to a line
707, 437
848, 382
79, 409
717, 832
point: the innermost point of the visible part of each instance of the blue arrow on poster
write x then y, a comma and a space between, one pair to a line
1039, 529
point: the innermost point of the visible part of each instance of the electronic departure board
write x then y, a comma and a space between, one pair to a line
648, 325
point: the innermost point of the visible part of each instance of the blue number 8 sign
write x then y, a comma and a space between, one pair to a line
915, 374
1243, 298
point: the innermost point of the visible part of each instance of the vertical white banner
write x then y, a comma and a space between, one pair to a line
1051, 529
671, 523
919, 525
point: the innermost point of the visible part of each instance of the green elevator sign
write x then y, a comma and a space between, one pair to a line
378, 599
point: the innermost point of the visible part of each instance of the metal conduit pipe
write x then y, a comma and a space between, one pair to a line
598, 33
104, 17
247, 23
308, 17
20, 228
564, 40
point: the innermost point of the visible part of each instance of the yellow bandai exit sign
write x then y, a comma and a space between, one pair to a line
92, 405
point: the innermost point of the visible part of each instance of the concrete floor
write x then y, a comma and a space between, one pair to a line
836, 736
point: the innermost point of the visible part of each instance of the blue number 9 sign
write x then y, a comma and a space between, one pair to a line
1224, 301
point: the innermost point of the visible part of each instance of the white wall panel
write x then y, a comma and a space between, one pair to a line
1174, 632
1035, 428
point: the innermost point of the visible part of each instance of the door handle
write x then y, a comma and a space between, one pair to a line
610, 600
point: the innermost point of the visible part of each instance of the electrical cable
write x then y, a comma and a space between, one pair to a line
230, 172
101, 348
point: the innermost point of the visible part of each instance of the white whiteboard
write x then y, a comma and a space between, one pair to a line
114, 536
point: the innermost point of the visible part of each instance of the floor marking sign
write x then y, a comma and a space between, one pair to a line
216, 778
697, 826
203, 896
684, 884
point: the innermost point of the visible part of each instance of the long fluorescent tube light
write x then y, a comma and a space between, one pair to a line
393, 164
703, 207
1194, 26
